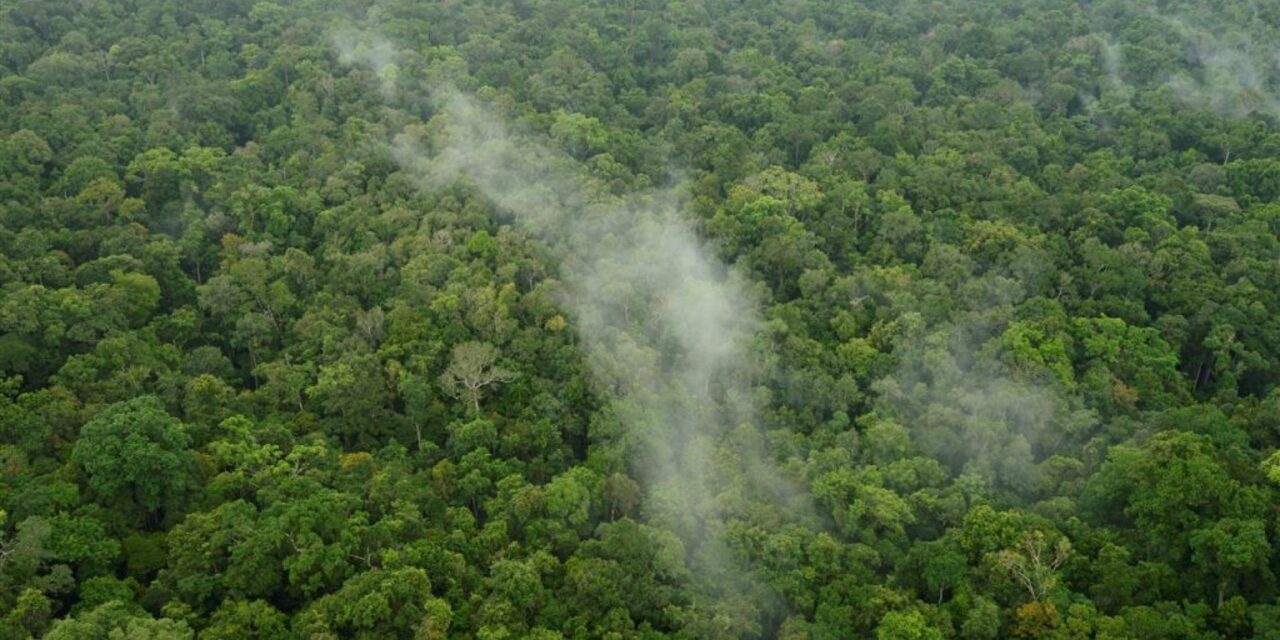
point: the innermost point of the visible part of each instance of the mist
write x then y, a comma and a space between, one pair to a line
665, 326
661, 320
1231, 73
376, 53
1223, 70
967, 408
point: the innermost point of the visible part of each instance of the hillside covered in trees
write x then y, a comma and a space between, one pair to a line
812, 319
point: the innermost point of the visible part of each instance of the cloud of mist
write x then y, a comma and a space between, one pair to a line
964, 410
662, 321
371, 51
1227, 70
1113, 64
1112, 89
1232, 74
965, 405
664, 324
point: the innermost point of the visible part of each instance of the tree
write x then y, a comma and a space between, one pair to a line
382, 603
1034, 562
116, 620
250, 620
29, 616
471, 369
944, 568
906, 625
136, 454
1186, 509
355, 392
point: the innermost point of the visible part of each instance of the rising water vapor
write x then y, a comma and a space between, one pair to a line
357, 48
1222, 69
1233, 75
661, 319
664, 324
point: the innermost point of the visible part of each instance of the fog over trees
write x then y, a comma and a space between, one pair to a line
566, 319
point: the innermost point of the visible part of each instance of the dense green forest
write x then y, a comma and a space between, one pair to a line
811, 319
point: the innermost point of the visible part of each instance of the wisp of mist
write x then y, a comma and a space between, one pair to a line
662, 321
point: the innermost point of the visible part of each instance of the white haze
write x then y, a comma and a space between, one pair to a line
661, 320
355, 48
968, 410
1228, 71
664, 324
1234, 72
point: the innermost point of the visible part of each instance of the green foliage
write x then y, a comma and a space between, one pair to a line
1016, 371
377, 604
136, 455
906, 626
253, 620
116, 621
